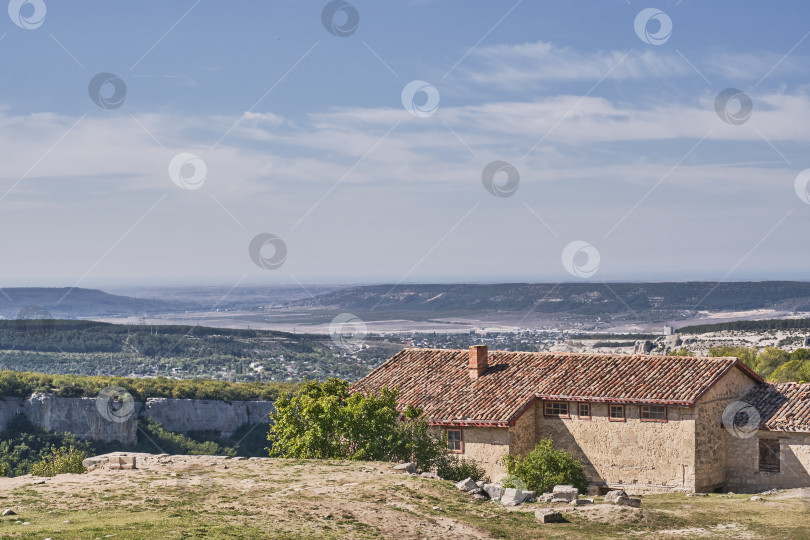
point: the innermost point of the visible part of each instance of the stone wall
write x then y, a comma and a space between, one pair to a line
522, 435
742, 462
81, 416
486, 445
710, 450
653, 456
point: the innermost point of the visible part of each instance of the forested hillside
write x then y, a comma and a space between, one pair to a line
645, 300
93, 348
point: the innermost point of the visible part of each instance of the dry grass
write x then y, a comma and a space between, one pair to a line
208, 497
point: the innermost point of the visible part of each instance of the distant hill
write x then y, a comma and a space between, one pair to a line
665, 300
66, 302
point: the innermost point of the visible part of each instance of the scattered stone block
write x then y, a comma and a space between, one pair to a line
581, 502
565, 493
122, 462
613, 496
468, 484
545, 497
9, 512
405, 467
494, 491
511, 497
756, 498
697, 494
593, 490
548, 515
627, 501
429, 474
529, 496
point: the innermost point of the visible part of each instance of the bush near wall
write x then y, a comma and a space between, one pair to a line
545, 467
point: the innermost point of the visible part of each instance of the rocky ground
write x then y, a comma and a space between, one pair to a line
216, 497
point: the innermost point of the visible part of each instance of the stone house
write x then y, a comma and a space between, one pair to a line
642, 423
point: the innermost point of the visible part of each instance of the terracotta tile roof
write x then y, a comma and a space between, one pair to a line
437, 381
782, 407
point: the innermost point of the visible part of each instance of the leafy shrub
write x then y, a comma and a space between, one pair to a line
323, 420
450, 467
22, 445
545, 467
65, 459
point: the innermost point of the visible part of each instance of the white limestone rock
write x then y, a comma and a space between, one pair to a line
468, 484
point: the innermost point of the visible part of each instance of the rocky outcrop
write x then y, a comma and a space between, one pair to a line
85, 418
184, 415
81, 417
9, 408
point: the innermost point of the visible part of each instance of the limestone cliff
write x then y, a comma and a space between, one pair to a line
91, 418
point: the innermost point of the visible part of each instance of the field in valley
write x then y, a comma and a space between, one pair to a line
216, 497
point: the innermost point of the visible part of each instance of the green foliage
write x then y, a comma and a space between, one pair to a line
153, 436
22, 445
323, 420
22, 384
772, 364
546, 466
747, 326
92, 348
450, 467
65, 459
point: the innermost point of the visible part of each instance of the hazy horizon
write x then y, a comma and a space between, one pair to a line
418, 142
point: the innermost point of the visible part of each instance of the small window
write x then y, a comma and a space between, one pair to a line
617, 413
769, 455
584, 410
454, 441
653, 413
556, 408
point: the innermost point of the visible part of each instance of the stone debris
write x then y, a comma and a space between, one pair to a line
494, 491
627, 501
545, 497
613, 496
406, 467
564, 494
437, 508
697, 494
122, 462
9, 512
756, 498
511, 497
581, 502
429, 474
468, 484
548, 515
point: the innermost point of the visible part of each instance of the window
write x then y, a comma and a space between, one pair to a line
616, 413
769, 455
556, 408
454, 441
653, 413
584, 410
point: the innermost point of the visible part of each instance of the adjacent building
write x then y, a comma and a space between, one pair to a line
643, 423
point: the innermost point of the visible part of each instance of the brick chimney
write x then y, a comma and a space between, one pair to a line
478, 361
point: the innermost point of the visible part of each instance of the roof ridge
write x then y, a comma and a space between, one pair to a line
571, 353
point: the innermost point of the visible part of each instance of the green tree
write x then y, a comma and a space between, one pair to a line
324, 420
545, 467
65, 459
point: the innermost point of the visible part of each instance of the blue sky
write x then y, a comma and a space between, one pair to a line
617, 143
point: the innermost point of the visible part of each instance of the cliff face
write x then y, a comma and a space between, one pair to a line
85, 418
184, 415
